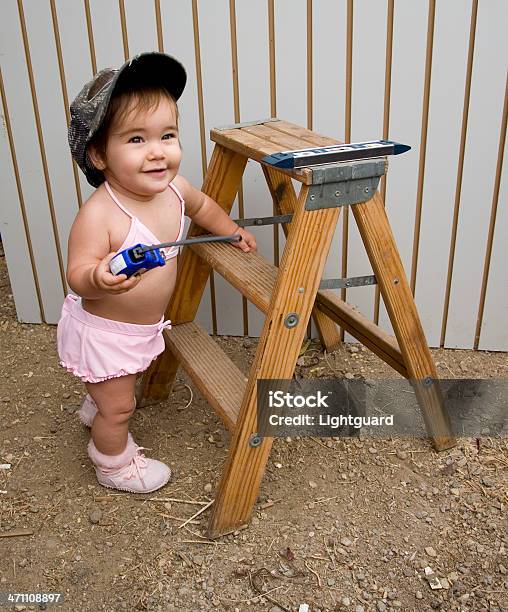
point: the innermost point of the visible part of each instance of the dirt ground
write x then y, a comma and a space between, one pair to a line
340, 524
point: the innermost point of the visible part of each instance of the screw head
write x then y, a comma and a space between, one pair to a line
255, 440
291, 320
312, 197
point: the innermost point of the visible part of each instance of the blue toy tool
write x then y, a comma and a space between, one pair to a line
141, 257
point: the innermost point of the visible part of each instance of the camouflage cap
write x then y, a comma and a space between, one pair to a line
91, 104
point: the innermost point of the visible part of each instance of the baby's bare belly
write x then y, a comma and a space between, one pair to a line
145, 304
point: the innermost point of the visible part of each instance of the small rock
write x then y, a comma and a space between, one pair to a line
381, 606
345, 601
312, 484
359, 609
95, 516
198, 559
208, 487
401, 454
419, 595
430, 551
346, 542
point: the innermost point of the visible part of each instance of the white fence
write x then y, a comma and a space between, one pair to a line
429, 73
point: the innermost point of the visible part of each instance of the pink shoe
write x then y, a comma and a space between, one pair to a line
88, 410
130, 471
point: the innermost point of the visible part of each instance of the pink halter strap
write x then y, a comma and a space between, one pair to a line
116, 200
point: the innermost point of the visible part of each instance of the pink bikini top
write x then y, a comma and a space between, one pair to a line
139, 233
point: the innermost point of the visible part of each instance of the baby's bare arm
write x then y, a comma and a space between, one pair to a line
210, 216
89, 254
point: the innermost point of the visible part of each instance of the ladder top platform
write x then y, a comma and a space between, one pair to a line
257, 139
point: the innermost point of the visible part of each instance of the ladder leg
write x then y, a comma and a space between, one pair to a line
384, 257
295, 291
221, 183
284, 197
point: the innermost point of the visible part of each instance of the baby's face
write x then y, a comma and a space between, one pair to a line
143, 151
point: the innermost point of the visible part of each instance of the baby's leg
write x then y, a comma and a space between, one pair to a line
115, 402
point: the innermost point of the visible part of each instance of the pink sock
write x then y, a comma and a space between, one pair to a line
113, 461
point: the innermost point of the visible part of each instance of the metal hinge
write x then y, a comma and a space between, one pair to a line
344, 184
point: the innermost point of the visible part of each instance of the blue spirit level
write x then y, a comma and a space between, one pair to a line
335, 153
141, 257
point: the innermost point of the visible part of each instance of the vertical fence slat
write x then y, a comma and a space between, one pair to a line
460, 168
140, 27
125, 38
105, 22
160, 35
63, 83
442, 155
367, 90
216, 60
17, 249
329, 85
347, 137
42, 147
407, 80
386, 117
492, 225
479, 178
91, 41
253, 44
180, 29
236, 109
423, 141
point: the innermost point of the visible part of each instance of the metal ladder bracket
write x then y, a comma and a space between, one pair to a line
344, 184
344, 283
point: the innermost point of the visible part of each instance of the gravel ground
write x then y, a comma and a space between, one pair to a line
340, 524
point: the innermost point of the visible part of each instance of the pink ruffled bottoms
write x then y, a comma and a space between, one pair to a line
96, 349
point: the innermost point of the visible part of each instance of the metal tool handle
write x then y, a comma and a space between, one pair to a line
197, 240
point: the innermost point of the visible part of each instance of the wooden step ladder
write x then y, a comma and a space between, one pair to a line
288, 295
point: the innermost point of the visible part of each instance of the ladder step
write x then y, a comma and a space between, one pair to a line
255, 277
214, 374
250, 273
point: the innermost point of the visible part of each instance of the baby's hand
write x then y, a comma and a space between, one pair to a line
247, 243
105, 281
